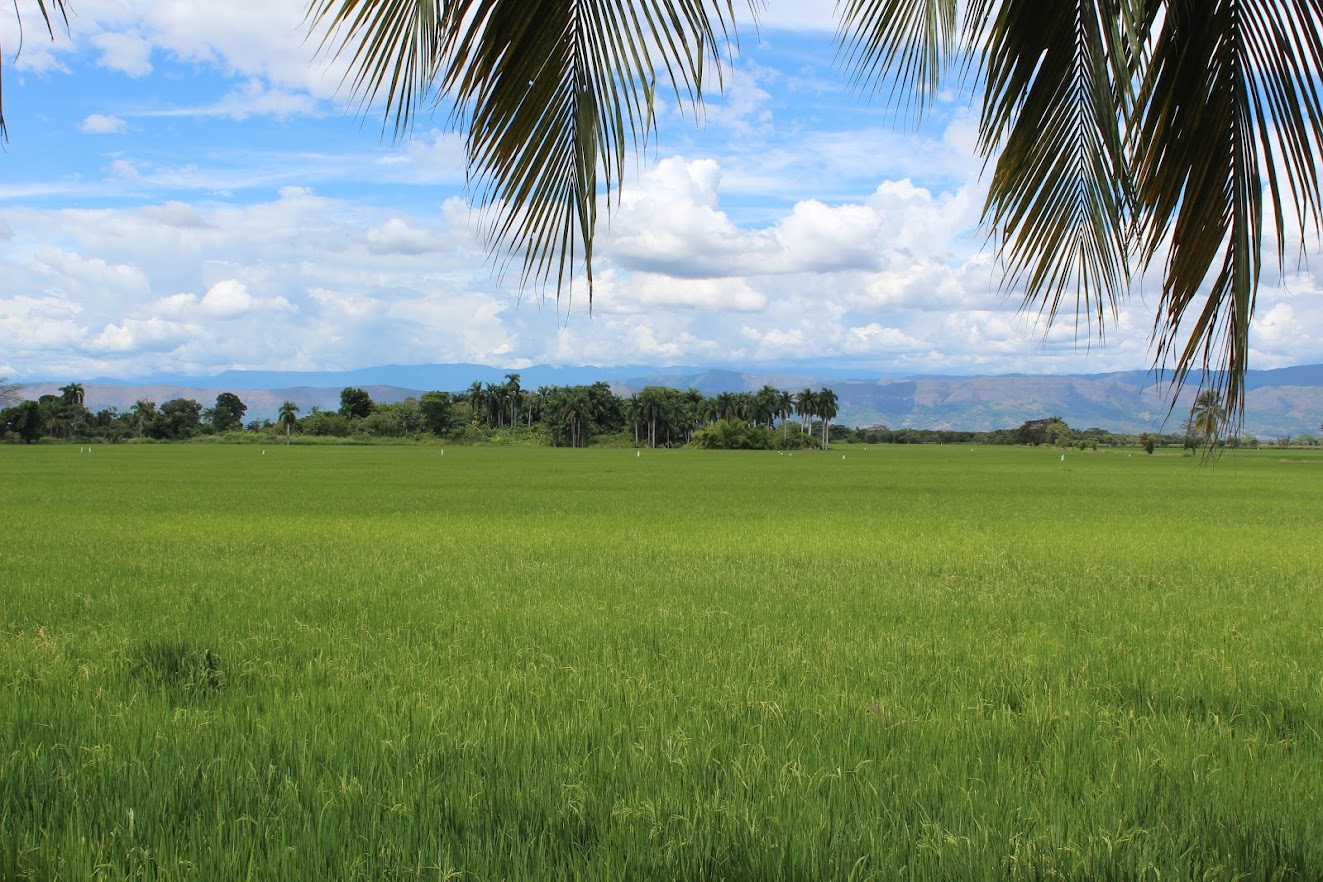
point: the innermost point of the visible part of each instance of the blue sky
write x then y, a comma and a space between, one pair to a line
186, 190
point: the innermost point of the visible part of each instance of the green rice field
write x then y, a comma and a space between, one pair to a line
386, 663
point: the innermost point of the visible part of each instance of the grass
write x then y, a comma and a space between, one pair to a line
923, 662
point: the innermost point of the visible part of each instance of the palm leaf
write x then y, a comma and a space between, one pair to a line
551, 93
1056, 83
908, 43
1122, 132
1229, 112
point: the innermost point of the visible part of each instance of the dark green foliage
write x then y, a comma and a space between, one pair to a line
355, 403
228, 413
733, 435
24, 420
437, 412
325, 422
178, 419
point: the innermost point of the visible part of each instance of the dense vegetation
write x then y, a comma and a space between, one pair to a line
918, 662
564, 416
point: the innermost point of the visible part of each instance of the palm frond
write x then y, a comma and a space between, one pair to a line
549, 92
907, 43
1228, 112
394, 47
1057, 80
49, 10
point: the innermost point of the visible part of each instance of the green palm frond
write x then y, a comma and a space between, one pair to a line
1128, 133
395, 49
907, 43
549, 92
49, 10
1056, 78
1228, 113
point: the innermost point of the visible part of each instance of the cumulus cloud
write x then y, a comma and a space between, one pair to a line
874, 338
138, 335
230, 298
101, 124
672, 223
125, 52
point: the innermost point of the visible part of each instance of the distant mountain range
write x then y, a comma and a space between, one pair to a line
1286, 401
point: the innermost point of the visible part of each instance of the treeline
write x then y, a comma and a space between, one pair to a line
506, 412
563, 416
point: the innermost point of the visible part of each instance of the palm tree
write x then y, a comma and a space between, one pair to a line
477, 399
141, 413
287, 417
1207, 417
515, 395
825, 401
74, 393
764, 405
785, 402
806, 405
1121, 135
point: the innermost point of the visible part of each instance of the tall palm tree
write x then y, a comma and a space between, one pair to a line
785, 402
515, 396
287, 417
73, 393
477, 399
806, 405
764, 404
1122, 135
825, 402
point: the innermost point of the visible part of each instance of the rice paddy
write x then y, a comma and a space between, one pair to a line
383, 663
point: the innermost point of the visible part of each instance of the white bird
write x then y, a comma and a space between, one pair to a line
638, 453
842, 456
1063, 457
264, 451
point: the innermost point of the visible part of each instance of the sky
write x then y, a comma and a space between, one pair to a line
187, 189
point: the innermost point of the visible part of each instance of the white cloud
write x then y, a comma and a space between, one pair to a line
874, 338
137, 335
127, 53
647, 293
101, 124
229, 299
